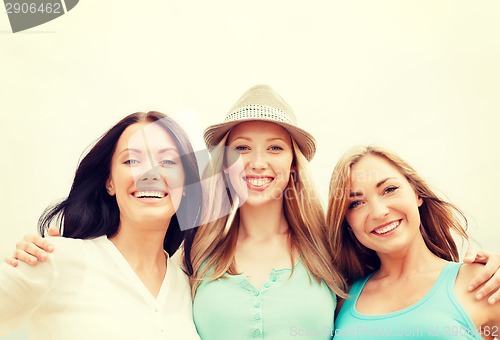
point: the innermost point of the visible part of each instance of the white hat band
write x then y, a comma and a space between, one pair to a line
259, 111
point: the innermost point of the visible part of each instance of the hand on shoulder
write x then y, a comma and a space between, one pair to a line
480, 311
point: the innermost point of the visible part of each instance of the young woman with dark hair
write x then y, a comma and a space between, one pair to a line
135, 195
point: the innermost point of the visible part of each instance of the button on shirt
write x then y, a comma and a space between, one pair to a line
288, 306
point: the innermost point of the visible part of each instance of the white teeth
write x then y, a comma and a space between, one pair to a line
258, 182
387, 228
153, 194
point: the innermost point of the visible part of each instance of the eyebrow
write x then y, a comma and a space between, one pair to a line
159, 151
245, 138
275, 138
359, 194
267, 140
168, 149
383, 181
130, 150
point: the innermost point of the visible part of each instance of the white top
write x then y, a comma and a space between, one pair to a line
87, 290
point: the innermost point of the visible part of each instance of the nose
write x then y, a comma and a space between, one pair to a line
378, 209
151, 180
151, 175
258, 161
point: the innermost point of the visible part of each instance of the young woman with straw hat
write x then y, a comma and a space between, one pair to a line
263, 270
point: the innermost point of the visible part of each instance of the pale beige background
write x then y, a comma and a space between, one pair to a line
420, 77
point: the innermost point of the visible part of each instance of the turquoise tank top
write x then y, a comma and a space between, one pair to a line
287, 306
438, 315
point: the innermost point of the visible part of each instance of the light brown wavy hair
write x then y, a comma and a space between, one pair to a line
214, 246
438, 217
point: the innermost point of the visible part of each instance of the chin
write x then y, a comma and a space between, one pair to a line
163, 216
261, 200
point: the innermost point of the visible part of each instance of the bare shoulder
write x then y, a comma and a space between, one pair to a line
468, 272
480, 311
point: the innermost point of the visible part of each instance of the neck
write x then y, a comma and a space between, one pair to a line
262, 222
142, 246
415, 259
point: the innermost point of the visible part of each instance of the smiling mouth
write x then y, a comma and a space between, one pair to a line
388, 228
149, 194
258, 182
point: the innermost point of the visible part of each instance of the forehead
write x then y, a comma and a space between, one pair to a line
259, 129
372, 169
146, 135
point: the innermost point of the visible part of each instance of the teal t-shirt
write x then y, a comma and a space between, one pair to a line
438, 315
287, 306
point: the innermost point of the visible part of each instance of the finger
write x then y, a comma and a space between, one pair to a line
54, 231
11, 261
37, 241
495, 297
492, 286
488, 272
470, 255
23, 256
35, 249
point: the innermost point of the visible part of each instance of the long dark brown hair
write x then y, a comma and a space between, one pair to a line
89, 211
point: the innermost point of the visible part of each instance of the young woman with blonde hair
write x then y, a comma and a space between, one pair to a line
392, 238
263, 270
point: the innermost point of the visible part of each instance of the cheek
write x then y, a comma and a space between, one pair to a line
283, 174
236, 167
122, 179
237, 183
176, 190
356, 220
235, 172
284, 168
416, 216
175, 179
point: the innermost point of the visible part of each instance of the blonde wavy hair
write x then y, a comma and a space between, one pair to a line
438, 217
214, 245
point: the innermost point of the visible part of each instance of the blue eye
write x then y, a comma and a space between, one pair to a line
131, 161
242, 148
353, 205
167, 162
276, 148
390, 189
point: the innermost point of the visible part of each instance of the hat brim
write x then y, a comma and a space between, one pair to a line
306, 142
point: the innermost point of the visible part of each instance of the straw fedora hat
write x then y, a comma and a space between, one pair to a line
262, 103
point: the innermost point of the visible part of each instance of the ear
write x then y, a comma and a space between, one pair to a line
110, 187
420, 201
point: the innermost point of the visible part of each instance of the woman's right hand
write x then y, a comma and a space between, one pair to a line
32, 248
